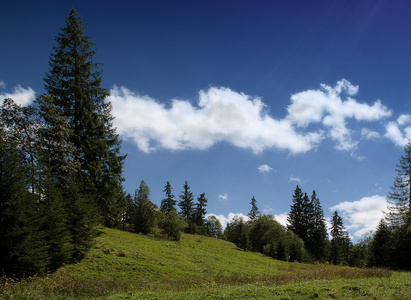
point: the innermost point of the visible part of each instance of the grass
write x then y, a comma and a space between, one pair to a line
123, 265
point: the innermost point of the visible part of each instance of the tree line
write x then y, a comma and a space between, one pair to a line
145, 217
61, 175
306, 238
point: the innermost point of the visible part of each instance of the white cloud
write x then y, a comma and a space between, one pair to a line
221, 115
369, 134
2, 85
394, 133
404, 119
223, 196
332, 106
20, 95
295, 179
225, 220
282, 219
362, 216
264, 168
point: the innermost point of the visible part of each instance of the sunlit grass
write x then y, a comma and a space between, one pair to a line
128, 266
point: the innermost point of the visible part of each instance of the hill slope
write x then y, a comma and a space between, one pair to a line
129, 266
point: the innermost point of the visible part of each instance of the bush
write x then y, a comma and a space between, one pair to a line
171, 224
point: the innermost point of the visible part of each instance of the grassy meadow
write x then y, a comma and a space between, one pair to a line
123, 265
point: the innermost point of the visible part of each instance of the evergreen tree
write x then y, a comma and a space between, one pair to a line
129, 213
399, 198
381, 246
53, 143
81, 217
401, 245
200, 210
54, 225
300, 214
22, 249
145, 210
340, 241
254, 212
186, 203
74, 85
168, 204
318, 239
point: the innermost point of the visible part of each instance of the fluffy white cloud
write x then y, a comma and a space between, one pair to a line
264, 168
223, 196
397, 132
332, 106
20, 95
221, 115
404, 119
362, 216
394, 133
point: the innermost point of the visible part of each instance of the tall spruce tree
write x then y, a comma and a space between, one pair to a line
340, 241
296, 215
200, 210
300, 214
399, 198
168, 204
186, 203
318, 239
74, 85
254, 212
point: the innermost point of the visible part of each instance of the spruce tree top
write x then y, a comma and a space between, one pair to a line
73, 79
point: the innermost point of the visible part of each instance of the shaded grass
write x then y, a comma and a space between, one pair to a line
129, 266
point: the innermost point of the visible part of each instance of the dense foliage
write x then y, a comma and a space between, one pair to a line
61, 168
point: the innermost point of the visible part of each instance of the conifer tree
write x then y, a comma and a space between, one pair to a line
399, 198
22, 249
145, 210
381, 246
200, 210
74, 85
254, 212
318, 239
54, 225
186, 203
340, 241
300, 213
168, 204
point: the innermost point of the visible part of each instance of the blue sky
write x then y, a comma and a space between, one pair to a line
241, 98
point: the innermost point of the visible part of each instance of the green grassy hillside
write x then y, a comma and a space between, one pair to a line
123, 265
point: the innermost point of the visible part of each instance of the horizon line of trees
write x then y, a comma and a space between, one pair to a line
145, 217
306, 238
